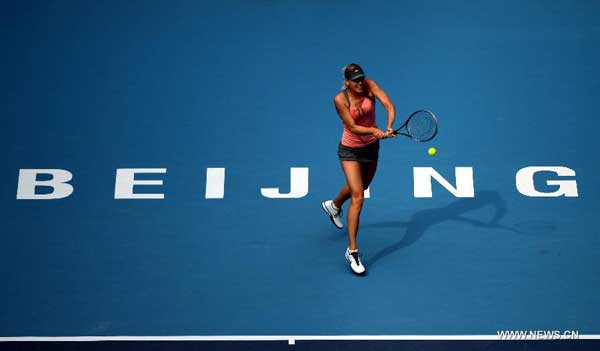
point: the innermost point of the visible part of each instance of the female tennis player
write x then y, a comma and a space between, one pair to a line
358, 150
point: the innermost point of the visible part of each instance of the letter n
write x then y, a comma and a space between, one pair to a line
422, 182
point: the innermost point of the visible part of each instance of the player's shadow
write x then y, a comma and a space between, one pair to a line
420, 222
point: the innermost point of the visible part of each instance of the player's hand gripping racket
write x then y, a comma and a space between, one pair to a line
420, 126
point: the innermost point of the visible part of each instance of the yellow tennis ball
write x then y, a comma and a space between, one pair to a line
432, 151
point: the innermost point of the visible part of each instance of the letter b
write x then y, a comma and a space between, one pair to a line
59, 183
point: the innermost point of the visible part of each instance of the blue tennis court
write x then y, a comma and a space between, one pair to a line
165, 162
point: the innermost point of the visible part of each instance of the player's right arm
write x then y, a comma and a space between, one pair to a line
344, 113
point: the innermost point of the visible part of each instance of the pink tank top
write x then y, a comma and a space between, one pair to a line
365, 116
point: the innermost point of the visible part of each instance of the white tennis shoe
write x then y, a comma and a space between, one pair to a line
355, 264
334, 214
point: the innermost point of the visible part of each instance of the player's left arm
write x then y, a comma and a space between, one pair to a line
385, 101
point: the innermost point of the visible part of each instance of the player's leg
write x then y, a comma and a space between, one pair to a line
354, 181
353, 173
342, 197
367, 173
368, 170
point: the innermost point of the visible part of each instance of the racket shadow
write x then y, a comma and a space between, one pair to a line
420, 222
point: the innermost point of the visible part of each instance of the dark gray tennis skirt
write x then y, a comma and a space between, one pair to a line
369, 153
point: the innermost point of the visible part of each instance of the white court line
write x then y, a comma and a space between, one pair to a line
291, 339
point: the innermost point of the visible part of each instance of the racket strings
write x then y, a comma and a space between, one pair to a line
421, 126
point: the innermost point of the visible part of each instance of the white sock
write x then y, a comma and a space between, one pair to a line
351, 251
334, 206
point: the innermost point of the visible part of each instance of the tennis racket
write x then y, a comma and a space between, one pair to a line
420, 126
